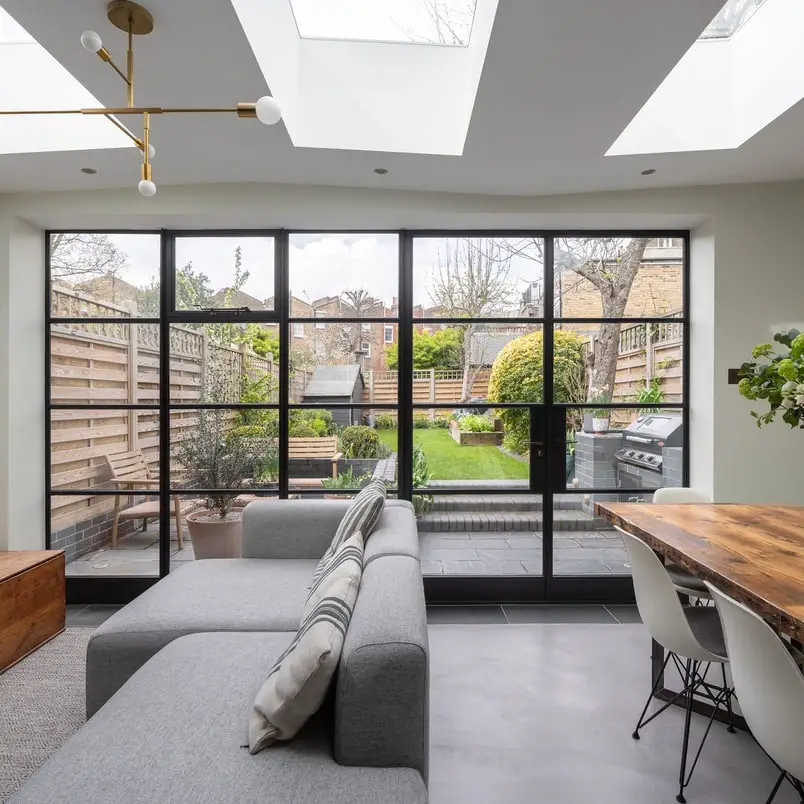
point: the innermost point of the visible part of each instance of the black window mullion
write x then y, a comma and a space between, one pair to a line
167, 271
282, 304
548, 413
405, 369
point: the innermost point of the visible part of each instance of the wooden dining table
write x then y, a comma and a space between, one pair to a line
754, 553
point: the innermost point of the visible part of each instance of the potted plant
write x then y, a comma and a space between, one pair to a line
215, 457
422, 475
600, 416
777, 378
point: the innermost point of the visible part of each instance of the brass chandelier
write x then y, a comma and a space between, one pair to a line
135, 20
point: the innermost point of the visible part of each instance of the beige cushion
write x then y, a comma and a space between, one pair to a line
297, 683
362, 515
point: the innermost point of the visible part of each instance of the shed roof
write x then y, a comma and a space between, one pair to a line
333, 381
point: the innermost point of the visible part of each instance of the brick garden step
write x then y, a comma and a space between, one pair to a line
497, 521
480, 503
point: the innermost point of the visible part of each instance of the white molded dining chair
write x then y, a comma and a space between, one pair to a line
685, 582
691, 635
769, 685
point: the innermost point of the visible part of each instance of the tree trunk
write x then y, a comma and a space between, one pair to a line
466, 382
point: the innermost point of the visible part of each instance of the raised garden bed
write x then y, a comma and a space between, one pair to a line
470, 439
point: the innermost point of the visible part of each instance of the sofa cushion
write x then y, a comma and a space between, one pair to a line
176, 732
237, 594
299, 679
362, 515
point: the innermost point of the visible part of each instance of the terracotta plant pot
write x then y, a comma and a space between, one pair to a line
213, 537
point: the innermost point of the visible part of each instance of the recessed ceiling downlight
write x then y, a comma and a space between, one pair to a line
381, 171
89, 171
649, 172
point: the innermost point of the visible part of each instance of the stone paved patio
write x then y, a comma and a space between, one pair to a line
593, 552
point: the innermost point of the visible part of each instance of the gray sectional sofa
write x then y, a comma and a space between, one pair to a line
171, 678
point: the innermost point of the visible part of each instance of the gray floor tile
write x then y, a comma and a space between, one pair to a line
533, 713
92, 616
431, 567
441, 554
465, 615
579, 566
73, 609
509, 554
539, 613
625, 614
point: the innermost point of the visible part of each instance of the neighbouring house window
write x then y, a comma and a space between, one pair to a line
365, 348
389, 334
298, 330
320, 314
365, 327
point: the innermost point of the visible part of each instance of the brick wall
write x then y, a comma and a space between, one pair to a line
89, 535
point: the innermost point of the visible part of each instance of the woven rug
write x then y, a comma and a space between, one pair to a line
41, 705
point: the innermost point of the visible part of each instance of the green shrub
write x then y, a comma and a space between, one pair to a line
301, 428
385, 421
310, 423
472, 423
359, 441
346, 480
518, 376
441, 422
421, 421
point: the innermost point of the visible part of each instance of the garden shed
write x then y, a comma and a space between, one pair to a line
337, 384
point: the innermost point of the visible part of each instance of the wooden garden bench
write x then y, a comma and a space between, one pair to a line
131, 470
325, 448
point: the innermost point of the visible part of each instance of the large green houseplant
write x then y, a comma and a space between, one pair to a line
215, 457
777, 378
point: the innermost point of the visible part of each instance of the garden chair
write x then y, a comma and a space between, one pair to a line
131, 470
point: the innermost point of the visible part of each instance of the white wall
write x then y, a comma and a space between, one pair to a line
22, 409
747, 274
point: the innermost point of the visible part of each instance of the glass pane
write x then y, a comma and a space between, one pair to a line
224, 363
464, 277
83, 526
619, 362
624, 448
104, 275
472, 363
337, 362
344, 276
470, 448
89, 448
403, 21
731, 18
103, 364
341, 448
585, 544
618, 277
236, 451
225, 272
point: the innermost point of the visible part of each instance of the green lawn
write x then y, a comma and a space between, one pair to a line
448, 460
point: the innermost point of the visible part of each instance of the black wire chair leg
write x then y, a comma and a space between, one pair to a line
727, 690
656, 684
682, 774
776, 787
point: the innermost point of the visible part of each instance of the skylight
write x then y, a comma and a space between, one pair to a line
436, 22
731, 18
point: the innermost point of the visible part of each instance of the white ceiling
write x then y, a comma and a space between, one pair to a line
561, 81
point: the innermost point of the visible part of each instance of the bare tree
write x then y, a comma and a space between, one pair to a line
611, 265
81, 256
472, 279
449, 22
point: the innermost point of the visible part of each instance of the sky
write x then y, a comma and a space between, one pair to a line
320, 264
381, 20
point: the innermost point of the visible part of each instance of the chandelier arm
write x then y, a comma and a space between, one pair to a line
104, 55
130, 134
130, 64
42, 111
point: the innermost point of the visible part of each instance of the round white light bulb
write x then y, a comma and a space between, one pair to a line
91, 41
146, 188
268, 110
151, 152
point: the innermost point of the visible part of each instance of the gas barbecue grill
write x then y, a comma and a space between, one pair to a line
639, 461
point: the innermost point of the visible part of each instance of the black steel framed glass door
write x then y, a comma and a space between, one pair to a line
503, 382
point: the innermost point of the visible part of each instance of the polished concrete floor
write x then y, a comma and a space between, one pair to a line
543, 713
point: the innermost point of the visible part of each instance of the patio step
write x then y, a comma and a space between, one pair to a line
525, 503
496, 521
